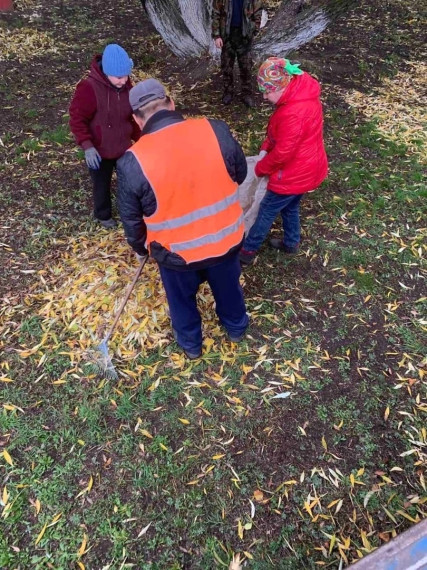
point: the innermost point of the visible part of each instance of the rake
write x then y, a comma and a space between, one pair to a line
101, 357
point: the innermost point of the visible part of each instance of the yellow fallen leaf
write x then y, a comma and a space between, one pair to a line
184, 421
218, 456
82, 548
403, 514
55, 519
387, 412
146, 433
5, 496
37, 506
332, 503
40, 536
7, 457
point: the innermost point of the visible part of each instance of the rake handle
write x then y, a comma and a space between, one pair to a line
126, 297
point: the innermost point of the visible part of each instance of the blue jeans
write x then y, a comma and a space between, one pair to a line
181, 288
271, 205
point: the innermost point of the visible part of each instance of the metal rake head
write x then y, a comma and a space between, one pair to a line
99, 359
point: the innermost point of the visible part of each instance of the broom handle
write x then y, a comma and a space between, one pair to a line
126, 297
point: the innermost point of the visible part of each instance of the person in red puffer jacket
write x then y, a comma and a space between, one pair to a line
292, 156
102, 123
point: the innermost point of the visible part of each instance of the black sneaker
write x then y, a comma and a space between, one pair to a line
278, 244
248, 100
247, 257
108, 224
227, 98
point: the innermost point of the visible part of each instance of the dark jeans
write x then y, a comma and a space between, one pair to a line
181, 288
235, 45
101, 179
271, 205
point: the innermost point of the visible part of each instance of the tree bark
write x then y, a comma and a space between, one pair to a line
297, 22
168, 19
185, 25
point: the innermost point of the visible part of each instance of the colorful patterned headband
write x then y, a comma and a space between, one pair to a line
276, 73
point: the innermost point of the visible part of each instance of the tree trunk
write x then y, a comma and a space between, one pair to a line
297, 22
185, 25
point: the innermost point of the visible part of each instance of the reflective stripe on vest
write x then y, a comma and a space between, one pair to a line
198, 213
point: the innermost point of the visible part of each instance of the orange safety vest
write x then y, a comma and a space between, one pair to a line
198, 213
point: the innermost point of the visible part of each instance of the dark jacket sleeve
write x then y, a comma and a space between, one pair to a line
135, 199
82, 111
217, 14
232, 153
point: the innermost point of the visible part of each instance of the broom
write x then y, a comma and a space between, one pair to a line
101, 357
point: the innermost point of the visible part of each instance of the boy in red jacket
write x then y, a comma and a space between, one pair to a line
102, 123
292, 156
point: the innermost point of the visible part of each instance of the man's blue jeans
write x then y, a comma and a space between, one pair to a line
271, 205
181, 289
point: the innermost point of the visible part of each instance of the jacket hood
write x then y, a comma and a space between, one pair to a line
302, 87
97, 74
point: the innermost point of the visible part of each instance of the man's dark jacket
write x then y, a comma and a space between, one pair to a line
136, 197
222, 14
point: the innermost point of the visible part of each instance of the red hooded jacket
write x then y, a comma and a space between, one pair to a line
101, 115
296, 161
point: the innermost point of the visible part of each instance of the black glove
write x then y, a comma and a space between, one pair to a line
141, 256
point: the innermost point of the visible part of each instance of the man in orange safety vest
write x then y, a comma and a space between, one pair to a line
178, 200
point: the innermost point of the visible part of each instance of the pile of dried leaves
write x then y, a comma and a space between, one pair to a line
81, 296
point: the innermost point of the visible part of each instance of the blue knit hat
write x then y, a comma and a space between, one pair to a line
115, 61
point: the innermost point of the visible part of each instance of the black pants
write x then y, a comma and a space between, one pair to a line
235, 45
101, 179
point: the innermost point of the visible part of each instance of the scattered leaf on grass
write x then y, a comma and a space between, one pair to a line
82, 548
144, 530
281, 395
7, 457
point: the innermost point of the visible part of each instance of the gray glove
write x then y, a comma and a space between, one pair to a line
262, 154
93, 158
